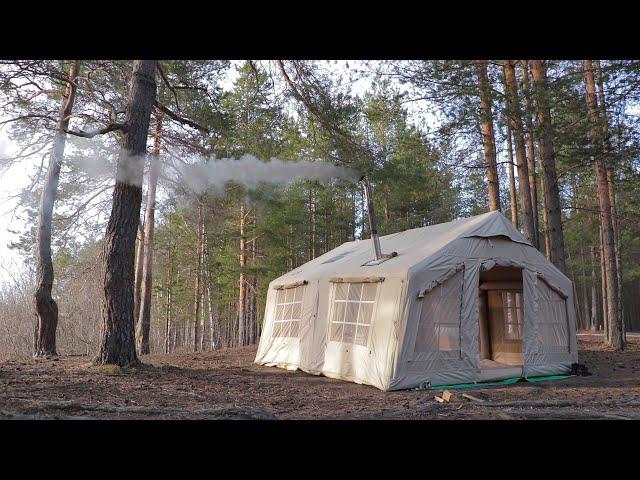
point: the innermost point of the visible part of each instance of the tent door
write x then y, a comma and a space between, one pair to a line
501, 323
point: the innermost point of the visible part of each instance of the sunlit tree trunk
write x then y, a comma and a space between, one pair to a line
169, 280
596, 122
585, 294
45, 306
604, 288
551, 191
531, 151
242, 296
595, 321
488, 136
198, 287
139, 272
514, 116
144, 324
117, 344
612, 188
513, 194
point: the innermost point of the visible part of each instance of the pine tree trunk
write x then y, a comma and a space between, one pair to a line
585, 294
604, 287
488, 136
531, 151
167, 341
512, 181
575, 289
312, 228
616, 339
144, 324
612, 191
242, 296
198, 286
117, 344
139, 272
253, 289
169, 279
45, 306
545, 222
551, 191
514, 117
595, 321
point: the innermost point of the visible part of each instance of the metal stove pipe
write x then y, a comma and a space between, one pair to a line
372, 219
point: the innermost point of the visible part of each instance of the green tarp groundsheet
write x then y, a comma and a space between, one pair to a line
506, 381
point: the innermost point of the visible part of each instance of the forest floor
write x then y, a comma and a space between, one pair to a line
227, 385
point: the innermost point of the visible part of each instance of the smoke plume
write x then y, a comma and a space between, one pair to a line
213, 174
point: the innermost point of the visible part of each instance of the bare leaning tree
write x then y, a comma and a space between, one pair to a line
45, 305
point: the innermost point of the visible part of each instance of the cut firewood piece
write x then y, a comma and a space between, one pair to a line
472, 398
447, 396
438, 399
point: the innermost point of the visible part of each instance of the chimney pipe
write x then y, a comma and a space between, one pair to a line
372, 220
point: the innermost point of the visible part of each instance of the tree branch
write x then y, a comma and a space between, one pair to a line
109, 128
179, 119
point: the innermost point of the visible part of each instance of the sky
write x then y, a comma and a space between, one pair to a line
13, 180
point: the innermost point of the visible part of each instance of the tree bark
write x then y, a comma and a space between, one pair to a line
488, 136
144, 324
612, 189
198, 290
512, 181
242, 296
117, 343
531, 151
514, 116
253, 288
604, 287
203, 290
597, 141
169, 306
551, 191
585, 294
595, 321
139, 272
45, 306
545, 222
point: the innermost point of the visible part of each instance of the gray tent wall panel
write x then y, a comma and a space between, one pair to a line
425, 255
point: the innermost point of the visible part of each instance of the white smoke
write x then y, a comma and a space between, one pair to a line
195, 173
211, 174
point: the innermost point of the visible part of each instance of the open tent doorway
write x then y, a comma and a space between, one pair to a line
501, 323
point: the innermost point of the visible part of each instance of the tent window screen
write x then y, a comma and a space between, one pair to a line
439, 327
554, 322
513, 314
352, 312
288, 312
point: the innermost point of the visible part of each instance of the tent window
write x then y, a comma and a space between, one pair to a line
439, 327
554, 322
288, 312
513, 314
352, 312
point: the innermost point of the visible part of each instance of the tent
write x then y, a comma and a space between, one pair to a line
459, 302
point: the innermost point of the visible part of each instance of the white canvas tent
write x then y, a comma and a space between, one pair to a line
465, 301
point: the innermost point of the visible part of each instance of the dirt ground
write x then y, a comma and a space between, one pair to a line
227, 385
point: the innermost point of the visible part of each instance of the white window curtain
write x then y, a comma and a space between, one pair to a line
288, 312
352, 312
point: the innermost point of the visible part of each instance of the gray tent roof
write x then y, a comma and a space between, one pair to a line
415, 247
